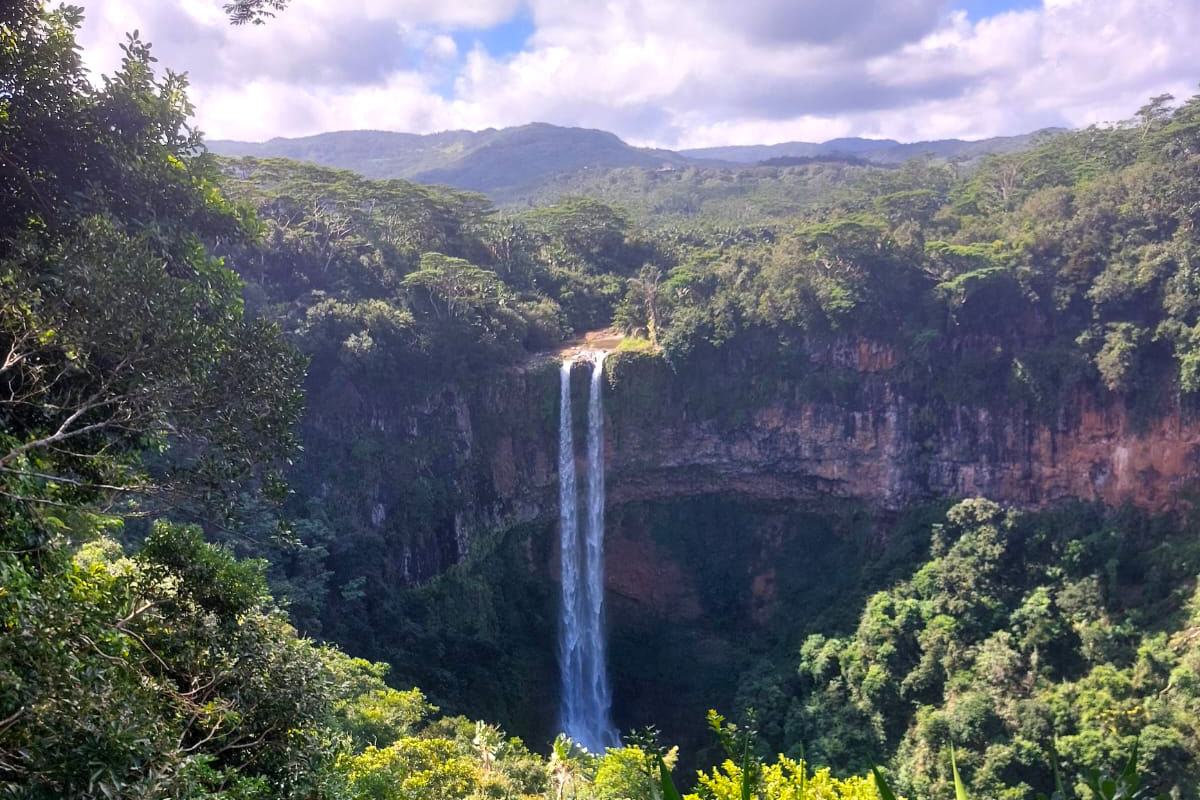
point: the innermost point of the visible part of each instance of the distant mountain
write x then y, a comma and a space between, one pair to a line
958, 148
519, 165
505, 164
878, 151
376, 154
754, 153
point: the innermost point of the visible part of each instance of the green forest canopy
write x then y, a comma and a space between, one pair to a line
153, 303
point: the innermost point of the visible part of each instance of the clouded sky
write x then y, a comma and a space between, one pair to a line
672, 73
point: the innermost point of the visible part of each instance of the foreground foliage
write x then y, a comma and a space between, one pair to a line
1023, 634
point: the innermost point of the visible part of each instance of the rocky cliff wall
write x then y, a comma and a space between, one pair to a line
729, 489
424, 476
888, 450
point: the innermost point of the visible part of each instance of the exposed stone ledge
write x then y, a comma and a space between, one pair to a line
492, 447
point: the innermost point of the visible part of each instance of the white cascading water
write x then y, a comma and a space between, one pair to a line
587, 697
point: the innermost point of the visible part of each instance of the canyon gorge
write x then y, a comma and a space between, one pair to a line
722, 487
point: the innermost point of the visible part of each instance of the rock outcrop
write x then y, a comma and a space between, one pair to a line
483, 455
879, 453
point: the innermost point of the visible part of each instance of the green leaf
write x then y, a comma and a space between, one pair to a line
746, 767
669, 791
1129, 775
960, 792
885, 791
1059, 792
803, 771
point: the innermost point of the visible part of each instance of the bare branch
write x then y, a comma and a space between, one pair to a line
137, 612
138, 638
82, 484
11, 719
23, 499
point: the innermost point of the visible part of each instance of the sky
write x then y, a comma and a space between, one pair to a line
666, 73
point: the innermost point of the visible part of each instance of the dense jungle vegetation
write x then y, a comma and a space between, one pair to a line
1072, 261
164, 312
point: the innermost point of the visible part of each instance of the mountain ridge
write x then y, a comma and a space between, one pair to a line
511, 165
882, 151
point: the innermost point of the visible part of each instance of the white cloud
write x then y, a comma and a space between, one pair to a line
441, 48
667, 72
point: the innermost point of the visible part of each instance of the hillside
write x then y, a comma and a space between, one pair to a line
505, 164
727, 195
877, 151
539, 163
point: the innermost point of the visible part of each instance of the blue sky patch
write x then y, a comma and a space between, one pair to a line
980, 9
501, 40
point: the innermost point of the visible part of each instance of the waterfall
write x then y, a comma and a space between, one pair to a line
587, 697
568, 533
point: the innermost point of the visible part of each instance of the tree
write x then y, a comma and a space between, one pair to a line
121, 332
453, 287
255, 12
640, 309
1154, 113
570, 767
630, 772
131, 380
582, 232
170, 673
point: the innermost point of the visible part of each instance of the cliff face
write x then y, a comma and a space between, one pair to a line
727, 492
424, 478
884, 449
413, 478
